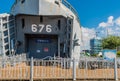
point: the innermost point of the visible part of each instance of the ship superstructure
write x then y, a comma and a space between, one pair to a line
47, 28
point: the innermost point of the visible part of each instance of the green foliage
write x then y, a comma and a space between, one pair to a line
111, 42
118, 53
94, 55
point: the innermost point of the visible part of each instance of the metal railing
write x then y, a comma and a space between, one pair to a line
84, 69
12, 60
69, 6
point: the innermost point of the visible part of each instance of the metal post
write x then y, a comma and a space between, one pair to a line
58, 46
86, 64
115, 70
74, 70
31, 69
14, 60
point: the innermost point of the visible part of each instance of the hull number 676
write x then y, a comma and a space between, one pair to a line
41, 27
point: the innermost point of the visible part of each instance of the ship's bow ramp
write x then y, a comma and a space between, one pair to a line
47, 28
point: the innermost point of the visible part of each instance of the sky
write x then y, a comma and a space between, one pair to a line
101, 16
98, 18
92, 12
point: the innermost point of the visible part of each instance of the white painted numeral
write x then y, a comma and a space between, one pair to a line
48, 28
34, 28
41, 26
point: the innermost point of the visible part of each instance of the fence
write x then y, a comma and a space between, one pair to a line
61, 69
12, 60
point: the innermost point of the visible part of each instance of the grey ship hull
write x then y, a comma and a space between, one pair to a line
46, 28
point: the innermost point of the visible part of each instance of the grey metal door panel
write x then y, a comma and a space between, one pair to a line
41, 49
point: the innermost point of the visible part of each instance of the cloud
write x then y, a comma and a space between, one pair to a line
110, 22
110, 27
117, 21
102, 25
87, 34
110, 19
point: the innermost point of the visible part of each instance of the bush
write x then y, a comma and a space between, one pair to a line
94, 55
118, 53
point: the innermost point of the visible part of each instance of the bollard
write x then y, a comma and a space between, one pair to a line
74, 70
115, 70
31, 69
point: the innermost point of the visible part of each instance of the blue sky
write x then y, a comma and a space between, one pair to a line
95, 15
91, 12
5, 5
102, 16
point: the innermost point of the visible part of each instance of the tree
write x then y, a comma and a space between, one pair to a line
111, 42
118, 53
